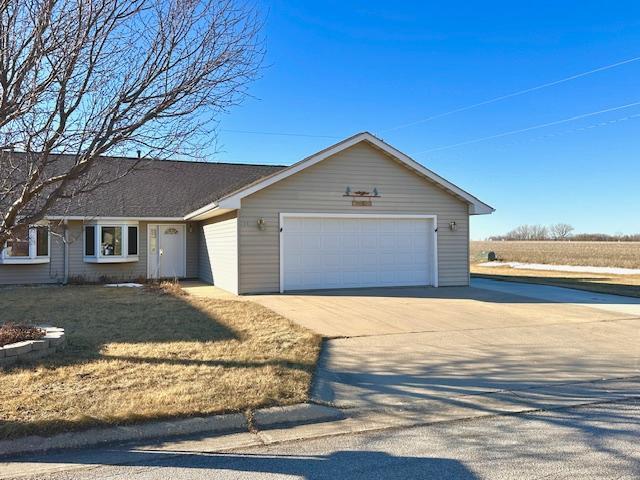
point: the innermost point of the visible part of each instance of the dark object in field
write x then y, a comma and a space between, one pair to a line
10, 333
491, 256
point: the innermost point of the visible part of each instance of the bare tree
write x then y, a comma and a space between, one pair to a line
539, 232
561, 231
89, 78
521, 232
525, 232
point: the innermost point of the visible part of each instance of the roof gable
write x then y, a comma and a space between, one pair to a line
233, 200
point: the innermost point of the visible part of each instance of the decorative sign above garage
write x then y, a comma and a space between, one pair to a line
362, 198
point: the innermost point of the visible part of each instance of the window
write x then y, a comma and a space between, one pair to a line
89, 241
42, 241
18, 245
132, 240
111, 243
29, 244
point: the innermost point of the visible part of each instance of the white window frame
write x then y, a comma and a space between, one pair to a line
124, 257
33, 257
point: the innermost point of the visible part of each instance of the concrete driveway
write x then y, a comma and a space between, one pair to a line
426, 349
384, 311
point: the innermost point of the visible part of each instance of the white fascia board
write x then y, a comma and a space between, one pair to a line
233, 200
196, 213
207, 212
477, 207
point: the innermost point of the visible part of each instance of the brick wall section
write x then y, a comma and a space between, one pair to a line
30, 350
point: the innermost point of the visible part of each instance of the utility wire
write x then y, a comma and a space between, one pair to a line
456, 110
513, 94
526, 129
574, 130
284, 134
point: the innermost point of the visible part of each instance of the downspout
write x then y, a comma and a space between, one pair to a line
65, 241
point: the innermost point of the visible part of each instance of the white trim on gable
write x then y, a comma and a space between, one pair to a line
233, 200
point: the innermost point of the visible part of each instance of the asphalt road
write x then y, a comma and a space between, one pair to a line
600, 441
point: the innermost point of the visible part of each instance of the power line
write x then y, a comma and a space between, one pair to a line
576, 130
513, 94
526, 129
283, 134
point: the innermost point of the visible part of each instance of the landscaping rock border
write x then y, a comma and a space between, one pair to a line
30, 350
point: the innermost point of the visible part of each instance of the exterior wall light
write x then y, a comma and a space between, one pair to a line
453, 226
262, 225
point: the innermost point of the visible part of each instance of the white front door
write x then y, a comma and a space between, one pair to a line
166, 252
346, 251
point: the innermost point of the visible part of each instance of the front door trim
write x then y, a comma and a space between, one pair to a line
182, 228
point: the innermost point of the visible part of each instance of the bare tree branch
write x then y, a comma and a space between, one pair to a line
88, 78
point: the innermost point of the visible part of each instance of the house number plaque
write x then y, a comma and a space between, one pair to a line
361, 198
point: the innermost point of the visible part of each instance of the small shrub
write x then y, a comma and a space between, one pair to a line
10, 333
167, 287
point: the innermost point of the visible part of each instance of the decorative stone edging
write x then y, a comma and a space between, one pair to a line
33, 349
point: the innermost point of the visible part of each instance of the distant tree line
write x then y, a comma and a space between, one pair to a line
560, 231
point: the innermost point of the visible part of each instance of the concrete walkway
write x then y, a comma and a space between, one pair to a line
565, 296
206, 290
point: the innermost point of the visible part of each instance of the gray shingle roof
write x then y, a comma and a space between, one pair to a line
161, 188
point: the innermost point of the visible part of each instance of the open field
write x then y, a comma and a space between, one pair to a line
141, 354
597, 254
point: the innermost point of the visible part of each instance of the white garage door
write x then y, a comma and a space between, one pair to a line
348, 252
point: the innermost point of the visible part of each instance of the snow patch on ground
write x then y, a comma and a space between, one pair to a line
564, 268
129, 285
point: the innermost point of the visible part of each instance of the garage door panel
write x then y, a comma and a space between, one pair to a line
331, 252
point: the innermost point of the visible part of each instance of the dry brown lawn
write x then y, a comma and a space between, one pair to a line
140, 354
628, 285
598, 254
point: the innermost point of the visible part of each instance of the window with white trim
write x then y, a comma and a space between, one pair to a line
28, 244
111, 242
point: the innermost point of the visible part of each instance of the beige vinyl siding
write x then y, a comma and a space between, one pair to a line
320, 188
219, 251
193, 241
52, 272
79, 270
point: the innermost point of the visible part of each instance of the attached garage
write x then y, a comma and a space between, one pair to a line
326, 251
357, 214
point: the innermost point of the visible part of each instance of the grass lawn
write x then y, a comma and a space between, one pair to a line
141, 354
628, 285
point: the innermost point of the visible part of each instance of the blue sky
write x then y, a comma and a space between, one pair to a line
335, 68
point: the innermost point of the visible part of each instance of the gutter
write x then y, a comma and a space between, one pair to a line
200, 211
208, 211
